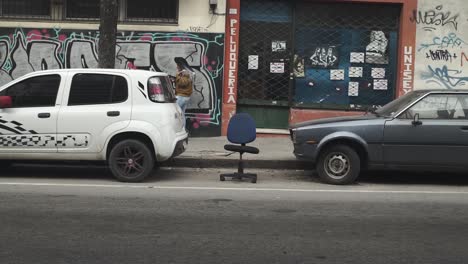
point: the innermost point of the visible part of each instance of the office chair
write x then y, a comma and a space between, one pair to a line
241, 130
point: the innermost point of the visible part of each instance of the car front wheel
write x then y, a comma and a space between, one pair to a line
131, 161
339, 164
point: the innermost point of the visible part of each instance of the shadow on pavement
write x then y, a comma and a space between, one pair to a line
410, 178
53, 171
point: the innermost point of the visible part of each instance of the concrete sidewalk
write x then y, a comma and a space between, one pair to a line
275, 153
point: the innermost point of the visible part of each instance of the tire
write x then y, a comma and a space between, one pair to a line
131, 161
339, 164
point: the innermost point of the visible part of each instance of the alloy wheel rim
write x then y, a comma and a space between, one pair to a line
337, 165
130, 161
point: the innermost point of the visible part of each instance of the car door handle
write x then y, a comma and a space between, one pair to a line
113, 113
43, 115
464, 128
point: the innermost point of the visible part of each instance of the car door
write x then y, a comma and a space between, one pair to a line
30, 124
96, 105
439, 137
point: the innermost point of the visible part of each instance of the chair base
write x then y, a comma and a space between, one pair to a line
239, 176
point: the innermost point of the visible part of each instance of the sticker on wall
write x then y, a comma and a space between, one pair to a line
353, 89
278, 45
324, 57
298, 66
253, 62
381, 84
378, 73
277, 67
376, 51
336, 75
357, 57
355, 72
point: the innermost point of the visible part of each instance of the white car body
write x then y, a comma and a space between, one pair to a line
84, 132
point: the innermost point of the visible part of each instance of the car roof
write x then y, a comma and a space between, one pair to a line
99, 70
441, 91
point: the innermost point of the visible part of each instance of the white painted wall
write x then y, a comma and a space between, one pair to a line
194, 16
441, 44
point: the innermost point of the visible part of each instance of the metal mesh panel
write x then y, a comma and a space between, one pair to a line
265, 51
346, 54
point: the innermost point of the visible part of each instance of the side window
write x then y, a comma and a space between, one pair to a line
91, 89
40, 91
439, 106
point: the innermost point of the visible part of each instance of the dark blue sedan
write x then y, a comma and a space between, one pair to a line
422, 129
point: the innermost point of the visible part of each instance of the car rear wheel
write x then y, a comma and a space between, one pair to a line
339, 164
131, 161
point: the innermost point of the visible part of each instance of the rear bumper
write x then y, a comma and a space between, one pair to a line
180, 147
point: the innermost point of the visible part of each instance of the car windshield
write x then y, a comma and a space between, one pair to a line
399, 104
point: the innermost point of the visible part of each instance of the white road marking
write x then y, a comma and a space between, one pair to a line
227, 188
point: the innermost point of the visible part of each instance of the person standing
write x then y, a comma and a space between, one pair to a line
183, 83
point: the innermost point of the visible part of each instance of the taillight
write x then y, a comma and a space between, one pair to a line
156, 90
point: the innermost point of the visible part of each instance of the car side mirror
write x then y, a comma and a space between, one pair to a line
5, 102
416, 121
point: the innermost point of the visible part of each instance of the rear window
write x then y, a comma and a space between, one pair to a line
160, 90
91, 89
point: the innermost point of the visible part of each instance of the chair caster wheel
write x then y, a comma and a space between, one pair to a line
221, 178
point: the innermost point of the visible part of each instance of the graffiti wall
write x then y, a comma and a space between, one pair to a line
441, 44
26, 50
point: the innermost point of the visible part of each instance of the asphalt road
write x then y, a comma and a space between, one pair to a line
77, 215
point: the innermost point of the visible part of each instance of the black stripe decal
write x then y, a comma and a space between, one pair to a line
9, 129
143, 94
141, 86
16, 123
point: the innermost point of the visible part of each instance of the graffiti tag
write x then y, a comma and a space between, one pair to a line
448, 78
435, 17
449, 41
441, 55
197, 29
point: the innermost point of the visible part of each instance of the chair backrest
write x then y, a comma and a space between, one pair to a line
241, 129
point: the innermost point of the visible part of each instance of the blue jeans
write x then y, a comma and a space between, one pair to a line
182, 101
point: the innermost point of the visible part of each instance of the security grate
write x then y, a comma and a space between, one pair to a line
345, 54
265, 51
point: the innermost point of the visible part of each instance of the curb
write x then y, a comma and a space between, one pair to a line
192, 162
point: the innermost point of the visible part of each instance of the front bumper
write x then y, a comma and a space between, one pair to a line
304, 151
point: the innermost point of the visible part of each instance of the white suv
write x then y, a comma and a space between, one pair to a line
128, 118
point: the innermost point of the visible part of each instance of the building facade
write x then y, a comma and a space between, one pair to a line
282, 61
291, 61
44, 34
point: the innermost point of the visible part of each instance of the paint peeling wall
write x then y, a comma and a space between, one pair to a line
441, 44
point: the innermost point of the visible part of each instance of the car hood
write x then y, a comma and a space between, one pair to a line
335, 120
